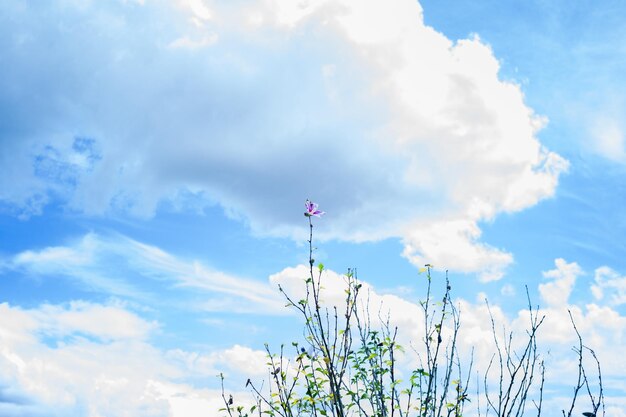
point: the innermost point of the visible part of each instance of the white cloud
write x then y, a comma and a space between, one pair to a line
609, 281
185, 401
89, 360
198, 8
73, 375
235, 103
245, 360
406, 315
435, 242
113, 323
556, 292
237, 360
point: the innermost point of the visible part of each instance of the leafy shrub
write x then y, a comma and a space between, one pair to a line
349, 366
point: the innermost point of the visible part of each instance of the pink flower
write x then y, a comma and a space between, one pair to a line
311, 209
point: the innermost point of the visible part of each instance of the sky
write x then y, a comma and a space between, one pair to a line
156, 156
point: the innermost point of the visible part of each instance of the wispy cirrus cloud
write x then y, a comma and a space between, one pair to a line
120, 266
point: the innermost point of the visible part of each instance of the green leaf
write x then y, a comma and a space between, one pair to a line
320, 267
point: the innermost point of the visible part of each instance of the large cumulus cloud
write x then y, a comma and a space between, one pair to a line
399, 131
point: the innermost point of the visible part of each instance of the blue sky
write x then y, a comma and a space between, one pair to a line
156, 155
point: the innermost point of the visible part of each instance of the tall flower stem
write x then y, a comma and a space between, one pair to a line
333, 380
